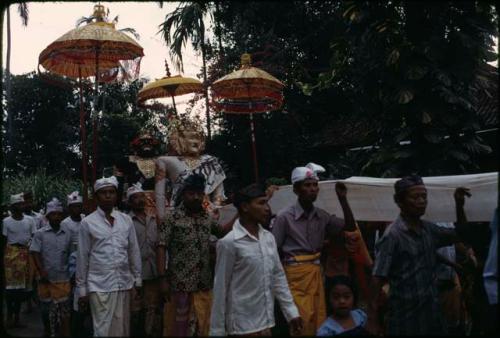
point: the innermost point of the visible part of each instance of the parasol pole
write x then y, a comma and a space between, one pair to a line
173, 101
254, 149
83, 139
94, 120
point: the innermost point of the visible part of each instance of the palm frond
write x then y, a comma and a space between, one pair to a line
131, 31
84, 19
23, 10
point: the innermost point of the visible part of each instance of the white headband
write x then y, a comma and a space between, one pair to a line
53, 205
309, 171
17, 198
74, 197
105, 182
134, 189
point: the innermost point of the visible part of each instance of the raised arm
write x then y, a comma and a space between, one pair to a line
341, 191
459, 196
160, 181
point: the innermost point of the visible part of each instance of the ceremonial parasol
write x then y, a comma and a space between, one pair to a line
169, 86
248, 90
91, 51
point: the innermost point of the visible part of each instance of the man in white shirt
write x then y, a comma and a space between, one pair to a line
249, 274
108, 262
17, 231
145, 307
74, 203
72, 222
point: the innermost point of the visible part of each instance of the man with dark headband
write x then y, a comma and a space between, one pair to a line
249, 275
188, 279
406, 257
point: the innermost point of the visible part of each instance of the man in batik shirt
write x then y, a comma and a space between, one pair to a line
185, 234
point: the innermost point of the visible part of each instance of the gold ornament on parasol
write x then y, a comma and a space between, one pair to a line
169, 86
248, 90
94, 50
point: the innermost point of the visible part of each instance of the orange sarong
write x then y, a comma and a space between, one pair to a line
306, 285
54, 291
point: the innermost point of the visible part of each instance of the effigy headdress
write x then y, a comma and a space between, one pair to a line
177, 125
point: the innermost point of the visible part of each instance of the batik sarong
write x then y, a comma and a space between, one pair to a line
17, 268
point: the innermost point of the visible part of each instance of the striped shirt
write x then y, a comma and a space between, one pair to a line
407, 257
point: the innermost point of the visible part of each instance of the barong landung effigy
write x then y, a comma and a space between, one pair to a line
139, 168
186, 139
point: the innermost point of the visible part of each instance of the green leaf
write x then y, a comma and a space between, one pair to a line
416, 73
404, 96
461, 156
393, 57
426, 118
432, 138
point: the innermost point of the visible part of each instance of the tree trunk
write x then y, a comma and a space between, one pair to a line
205, 86
217, 24
8, 87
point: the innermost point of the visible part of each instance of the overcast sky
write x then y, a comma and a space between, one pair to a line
50, 20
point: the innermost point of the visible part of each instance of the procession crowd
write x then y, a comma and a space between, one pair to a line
129, 273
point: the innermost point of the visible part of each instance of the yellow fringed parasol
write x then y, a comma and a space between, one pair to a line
94, 50
169, 86
248, 90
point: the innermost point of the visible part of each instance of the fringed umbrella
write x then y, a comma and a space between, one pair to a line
248, 90
168, 86
94, 50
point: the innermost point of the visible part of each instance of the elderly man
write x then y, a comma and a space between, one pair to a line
300, 231
406, 257
108, 262
51, 249
17, 230
249, 275
185, 234
146, 317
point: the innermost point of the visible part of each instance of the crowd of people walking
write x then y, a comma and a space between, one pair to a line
117, 273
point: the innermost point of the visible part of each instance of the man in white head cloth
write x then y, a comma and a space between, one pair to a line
17, 230
145, 307
74, 203
108, 262
300, 231
50, 249
72, 222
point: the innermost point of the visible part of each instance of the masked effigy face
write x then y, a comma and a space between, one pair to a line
145, 146
192, 143
187, 140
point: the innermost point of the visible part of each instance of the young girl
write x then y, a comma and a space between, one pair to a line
345, 319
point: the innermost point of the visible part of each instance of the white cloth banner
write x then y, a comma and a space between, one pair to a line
371, 199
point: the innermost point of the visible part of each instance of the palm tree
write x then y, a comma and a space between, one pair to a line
23, 10
183, 24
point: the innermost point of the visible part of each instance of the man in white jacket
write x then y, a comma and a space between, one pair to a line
108, 262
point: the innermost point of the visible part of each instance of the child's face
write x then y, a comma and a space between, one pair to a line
342, 300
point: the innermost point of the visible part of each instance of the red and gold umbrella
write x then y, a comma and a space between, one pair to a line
248, 90
168, 86
91, 51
